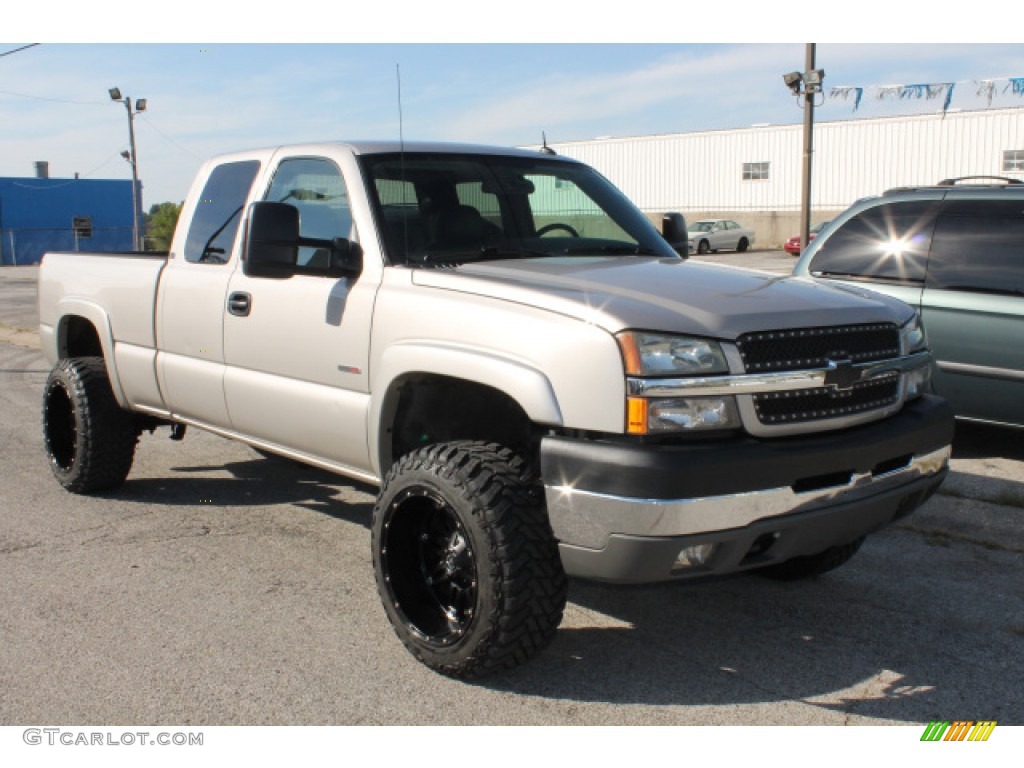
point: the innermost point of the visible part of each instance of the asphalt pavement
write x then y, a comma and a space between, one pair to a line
217, 587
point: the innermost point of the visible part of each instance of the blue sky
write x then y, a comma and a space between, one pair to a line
243, 90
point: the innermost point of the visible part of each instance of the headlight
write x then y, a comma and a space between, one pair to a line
912, 336
656, 354
663, 415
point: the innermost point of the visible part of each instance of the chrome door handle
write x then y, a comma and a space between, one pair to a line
240, 304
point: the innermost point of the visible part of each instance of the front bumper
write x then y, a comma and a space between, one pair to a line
622, 512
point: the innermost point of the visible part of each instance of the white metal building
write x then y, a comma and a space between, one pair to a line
753, 174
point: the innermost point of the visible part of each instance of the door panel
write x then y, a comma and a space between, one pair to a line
190, 299
297, 350
979, 354
297, 364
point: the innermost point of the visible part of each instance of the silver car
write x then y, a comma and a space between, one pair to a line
713, 235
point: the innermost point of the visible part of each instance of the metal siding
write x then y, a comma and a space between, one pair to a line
36, 216
702, 171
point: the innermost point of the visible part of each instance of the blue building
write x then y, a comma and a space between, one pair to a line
42, 214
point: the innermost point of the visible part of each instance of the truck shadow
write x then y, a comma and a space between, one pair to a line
982, 441
259, 482
901, 633
839, 643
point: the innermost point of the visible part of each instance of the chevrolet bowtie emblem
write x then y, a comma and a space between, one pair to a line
841, 375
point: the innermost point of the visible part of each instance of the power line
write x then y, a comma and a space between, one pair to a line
47, 98
152, 125
15, 50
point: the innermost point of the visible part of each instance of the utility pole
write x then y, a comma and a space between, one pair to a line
132, 158
805, 179
805, 86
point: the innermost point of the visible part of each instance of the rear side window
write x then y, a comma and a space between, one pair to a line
888, 242
215, 221
979, 246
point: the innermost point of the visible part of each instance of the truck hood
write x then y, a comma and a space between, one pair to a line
672, 295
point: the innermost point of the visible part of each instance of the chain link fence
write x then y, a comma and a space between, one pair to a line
20, 246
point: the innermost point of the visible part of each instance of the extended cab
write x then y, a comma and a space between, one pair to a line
504, 344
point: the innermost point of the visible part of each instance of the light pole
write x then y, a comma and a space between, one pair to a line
132, 158
805, 85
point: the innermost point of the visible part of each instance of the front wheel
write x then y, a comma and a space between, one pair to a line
703, 247
466, 564
89, 439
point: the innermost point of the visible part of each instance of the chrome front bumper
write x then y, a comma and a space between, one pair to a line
587, 519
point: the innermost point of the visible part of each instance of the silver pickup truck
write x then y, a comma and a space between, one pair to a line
538, 383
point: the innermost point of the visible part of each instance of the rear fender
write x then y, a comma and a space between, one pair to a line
70, 308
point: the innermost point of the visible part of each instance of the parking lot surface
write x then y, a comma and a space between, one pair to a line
217, 587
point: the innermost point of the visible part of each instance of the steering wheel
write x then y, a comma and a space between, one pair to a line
556, 225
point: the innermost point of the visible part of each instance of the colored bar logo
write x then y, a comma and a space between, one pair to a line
959, 730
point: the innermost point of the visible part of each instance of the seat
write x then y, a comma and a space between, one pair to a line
461, 227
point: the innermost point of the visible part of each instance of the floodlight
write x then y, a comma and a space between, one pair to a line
793, 80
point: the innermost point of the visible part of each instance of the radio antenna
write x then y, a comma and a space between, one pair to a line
401, 135
401, 149
545, 149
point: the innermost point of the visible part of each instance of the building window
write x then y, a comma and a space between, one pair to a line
1013, 160
755, 171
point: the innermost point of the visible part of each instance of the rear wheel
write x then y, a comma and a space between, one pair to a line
466, 565
89, 439
812, 565
742, 245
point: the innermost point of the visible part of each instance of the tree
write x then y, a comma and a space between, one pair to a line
160, 223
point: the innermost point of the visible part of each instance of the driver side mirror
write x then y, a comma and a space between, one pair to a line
272, 246
673, 229
272, 242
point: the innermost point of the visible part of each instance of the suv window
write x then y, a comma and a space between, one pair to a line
211, 235
314, 186
889, 241
979, 246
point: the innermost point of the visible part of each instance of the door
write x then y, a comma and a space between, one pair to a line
297, 350
190, 311
973, 308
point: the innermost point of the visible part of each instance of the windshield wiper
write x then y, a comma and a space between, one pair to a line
486, 253
612, 250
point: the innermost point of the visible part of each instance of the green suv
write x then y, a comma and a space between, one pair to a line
955, 251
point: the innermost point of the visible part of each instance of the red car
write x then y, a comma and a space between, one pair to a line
792, 245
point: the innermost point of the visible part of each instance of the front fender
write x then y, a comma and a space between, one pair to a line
528, 386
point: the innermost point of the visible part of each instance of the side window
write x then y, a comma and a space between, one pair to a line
886, 242
211, 235
316, 188
979, 246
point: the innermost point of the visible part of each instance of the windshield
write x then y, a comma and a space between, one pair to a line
703, 226
447, 208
